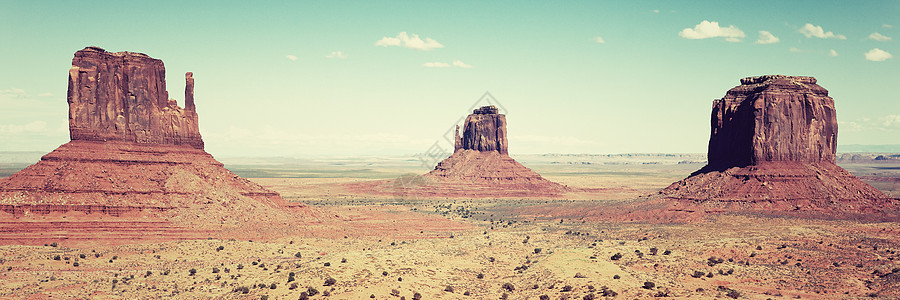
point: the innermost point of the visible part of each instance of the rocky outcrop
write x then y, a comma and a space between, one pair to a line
773, 118
772, 148
122, 97
135, 161
484, 130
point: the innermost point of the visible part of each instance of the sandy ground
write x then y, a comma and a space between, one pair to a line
392, 247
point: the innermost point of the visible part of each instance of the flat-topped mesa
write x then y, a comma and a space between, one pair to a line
484, 130
772, 118
122, 97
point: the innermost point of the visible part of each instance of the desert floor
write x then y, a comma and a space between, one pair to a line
393, 247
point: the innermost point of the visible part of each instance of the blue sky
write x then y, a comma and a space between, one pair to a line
389, 78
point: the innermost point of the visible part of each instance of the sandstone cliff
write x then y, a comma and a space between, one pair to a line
122, 97
772, 147
773, 118
485, 130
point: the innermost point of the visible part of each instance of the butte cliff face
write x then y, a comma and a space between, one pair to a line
772, 147
484, 130
134, 169
481, 166
773, 118
122, 97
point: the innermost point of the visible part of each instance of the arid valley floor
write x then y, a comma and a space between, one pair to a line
393, 247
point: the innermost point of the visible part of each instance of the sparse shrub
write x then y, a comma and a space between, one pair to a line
479, 276
372, 296
75, 264
544, 297
255, 263
579, 275
712, 261
616, 256
535, 286
215, 270
466, 293
448, 289
417, 296
508, 286
312, 291
220, 248
148, 274
343, 260
264, 297
567, 288
395, 293
504, 296
242, 290
290, 277
758, 247
537, 250
616, 276
297, 255
399, 278
327, 264
54, 244
56, 257
326, 293
667, 252
115, 257
304, 296
661, 294
330, 281
240, 266
192, 271
653, 251
384, 273
491, 259
698, 274
82, 256
273, 286
649, 285
115, 281
590, 296
293, 286
608, 293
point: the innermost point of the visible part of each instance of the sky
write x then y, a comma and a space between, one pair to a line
370, 78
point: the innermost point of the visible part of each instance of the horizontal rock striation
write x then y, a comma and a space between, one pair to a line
773, 118
772, 148
122, 97
484, 130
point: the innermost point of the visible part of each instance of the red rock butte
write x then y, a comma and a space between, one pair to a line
480, 167
134, 169
772, 147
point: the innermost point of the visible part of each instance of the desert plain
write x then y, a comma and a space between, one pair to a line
403, 246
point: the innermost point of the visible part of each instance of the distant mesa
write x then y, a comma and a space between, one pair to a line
772, 147
135, 161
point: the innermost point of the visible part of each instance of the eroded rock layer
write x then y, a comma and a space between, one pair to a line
484, 130
136, 160
122, 97
773, 118
772, 148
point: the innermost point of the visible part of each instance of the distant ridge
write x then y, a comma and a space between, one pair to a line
895, 148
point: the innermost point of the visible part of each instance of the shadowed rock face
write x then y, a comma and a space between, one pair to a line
773, 118
772, 148
484, 130
122, 97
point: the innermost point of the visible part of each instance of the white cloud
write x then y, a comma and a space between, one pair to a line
879, 37
796, 50
457, 63
766, 37
14, 93
887, 26
436, 65
707, 29
36, 126
656, 11
832, 53
291, 57
810, 30
599, 39
337, 54
409, 41
45, 95
891, 120
878, 55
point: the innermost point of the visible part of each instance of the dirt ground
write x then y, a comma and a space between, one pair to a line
392, 247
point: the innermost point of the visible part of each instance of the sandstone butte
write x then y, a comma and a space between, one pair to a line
134, 169
772, 148
480, 167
